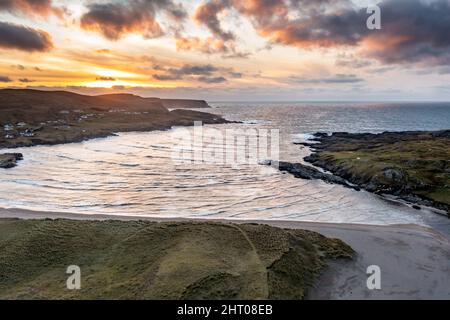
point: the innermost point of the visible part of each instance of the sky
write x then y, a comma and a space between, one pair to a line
229, 50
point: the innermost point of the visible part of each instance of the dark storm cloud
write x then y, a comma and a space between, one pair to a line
413, 31
114, 19
19, 37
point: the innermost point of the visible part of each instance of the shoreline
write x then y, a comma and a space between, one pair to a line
389, 164
62, 117
414, 260
25, 214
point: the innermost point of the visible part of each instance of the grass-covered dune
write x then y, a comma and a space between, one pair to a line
149, 260
412, 165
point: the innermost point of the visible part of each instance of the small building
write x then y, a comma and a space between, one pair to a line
9, 136
8, 127
21, 124
27, 133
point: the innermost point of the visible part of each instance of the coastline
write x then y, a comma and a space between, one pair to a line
421, 255
388, 164
64, 117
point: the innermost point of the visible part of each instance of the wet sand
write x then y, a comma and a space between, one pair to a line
414, 261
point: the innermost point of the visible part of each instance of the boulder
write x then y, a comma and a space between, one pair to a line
9, 160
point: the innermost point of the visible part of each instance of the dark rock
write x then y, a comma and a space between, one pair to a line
302, 171
9, 160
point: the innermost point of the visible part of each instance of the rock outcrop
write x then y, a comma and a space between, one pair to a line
413, 166
302, 171
9, 160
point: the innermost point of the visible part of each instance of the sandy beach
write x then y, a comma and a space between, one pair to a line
414, 260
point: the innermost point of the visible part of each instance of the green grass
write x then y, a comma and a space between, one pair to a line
146, 260
424, 160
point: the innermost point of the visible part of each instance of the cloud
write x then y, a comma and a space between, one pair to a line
222, 42
351, 61
207, 45
5, 79
105, 79
210, 45
205, 73
413, 31
26, 80
103, 51
19, 37
336, 79
355, 64
166, 77
195, 70
19, 67
186, 70
116, 19
236, 75
31, 8
211, 79
207, 14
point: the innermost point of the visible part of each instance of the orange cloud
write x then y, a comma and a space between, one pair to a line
210, 45
43, 8
114, 20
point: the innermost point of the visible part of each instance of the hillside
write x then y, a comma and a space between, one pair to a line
32, 117
411, 165
148, 260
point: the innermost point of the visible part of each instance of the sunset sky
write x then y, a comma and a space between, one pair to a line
230, 49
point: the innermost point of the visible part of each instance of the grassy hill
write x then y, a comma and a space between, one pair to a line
147, 260
412, 165
32, 117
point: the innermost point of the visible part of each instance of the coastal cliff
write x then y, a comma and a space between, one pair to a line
183, 103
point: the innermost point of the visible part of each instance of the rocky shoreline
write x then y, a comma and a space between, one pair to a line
302, 171
413, 166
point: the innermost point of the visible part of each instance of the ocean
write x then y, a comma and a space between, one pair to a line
137, 173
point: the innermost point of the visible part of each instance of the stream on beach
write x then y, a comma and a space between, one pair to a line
135, 173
